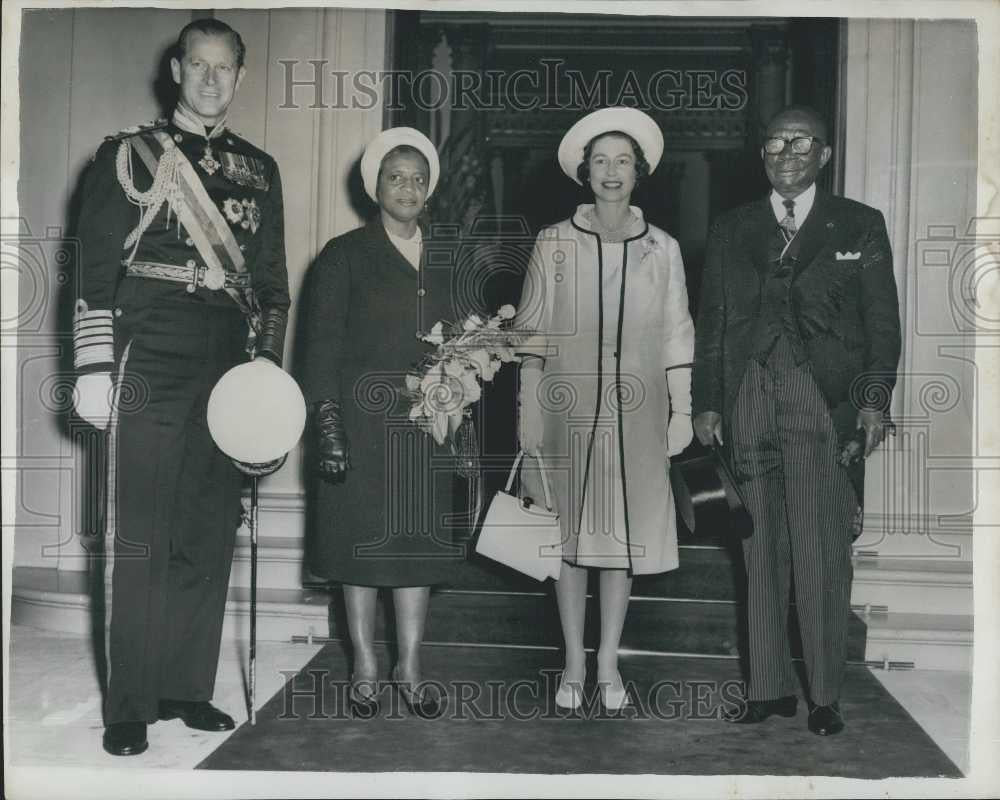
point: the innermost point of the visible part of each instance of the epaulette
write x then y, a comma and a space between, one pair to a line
154, 125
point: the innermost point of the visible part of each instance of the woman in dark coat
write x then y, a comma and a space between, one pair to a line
385, 501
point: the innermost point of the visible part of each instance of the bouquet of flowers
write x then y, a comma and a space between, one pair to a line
450, 379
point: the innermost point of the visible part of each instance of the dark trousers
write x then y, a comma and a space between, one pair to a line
802, 504
174, 507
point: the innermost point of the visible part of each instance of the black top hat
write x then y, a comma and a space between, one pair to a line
708, 497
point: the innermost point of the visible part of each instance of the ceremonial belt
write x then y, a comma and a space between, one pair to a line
194, 276
203, 222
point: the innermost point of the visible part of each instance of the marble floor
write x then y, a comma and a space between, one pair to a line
53, 715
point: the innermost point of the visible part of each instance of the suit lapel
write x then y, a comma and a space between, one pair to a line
813, 234
759, 227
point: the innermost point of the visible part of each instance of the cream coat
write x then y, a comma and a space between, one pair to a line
605, 408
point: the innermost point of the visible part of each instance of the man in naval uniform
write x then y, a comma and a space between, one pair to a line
182, 277
796, 349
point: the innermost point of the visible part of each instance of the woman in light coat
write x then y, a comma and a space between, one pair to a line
605, 384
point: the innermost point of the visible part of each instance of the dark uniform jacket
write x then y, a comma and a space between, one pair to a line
246, 188
842, 298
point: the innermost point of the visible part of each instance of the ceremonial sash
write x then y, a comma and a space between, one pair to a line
200, 217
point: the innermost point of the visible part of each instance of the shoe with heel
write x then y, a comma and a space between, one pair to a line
569, 695
420, 702
614, 694
363, 704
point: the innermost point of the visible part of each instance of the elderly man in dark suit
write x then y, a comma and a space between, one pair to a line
797, 345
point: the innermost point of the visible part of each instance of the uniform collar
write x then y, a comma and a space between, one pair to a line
186, 122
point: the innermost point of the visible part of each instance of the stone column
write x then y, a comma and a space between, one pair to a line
911, 151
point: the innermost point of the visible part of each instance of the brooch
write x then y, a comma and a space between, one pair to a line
245, 213
649, 245
233, 210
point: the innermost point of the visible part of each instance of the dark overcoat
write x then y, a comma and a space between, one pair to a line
392, 521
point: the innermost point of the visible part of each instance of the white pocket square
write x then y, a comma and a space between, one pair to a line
848, 256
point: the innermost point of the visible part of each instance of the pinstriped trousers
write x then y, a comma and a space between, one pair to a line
802, 503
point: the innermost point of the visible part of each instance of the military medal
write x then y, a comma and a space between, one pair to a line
245, 170
208, 162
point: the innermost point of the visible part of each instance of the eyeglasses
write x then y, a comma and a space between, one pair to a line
801, 145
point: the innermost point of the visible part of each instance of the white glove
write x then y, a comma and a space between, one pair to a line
92, 398
679, 430
529, 419
679, 433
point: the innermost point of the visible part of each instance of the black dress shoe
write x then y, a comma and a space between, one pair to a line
198, 714
125, 738
826, 720
758, 710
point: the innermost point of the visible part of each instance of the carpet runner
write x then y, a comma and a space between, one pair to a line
499, 716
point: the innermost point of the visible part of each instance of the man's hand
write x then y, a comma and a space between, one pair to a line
679, 433
872, 422
92, 398
707, 427
334, 449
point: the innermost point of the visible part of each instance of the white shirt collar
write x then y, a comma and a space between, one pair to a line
803, 205
410, 248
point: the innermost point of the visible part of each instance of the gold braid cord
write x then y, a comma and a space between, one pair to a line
164, 189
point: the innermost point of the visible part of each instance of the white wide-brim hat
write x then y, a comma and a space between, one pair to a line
637, 124
389, 139
256, 412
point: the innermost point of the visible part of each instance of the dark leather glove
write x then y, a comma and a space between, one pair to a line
334, 449
271, 341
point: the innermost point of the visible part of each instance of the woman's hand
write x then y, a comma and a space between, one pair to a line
334, 449
530, 426
679, 433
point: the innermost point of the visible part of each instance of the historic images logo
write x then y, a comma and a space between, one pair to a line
315, 694
549, 87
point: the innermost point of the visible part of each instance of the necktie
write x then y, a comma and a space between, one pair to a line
788, 223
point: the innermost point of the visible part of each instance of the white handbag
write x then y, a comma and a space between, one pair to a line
523, 535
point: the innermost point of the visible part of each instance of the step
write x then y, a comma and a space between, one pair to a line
927, 641
705, 573
910, 536
61, 601
913, 584
52, 600
653, 624
280, 562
